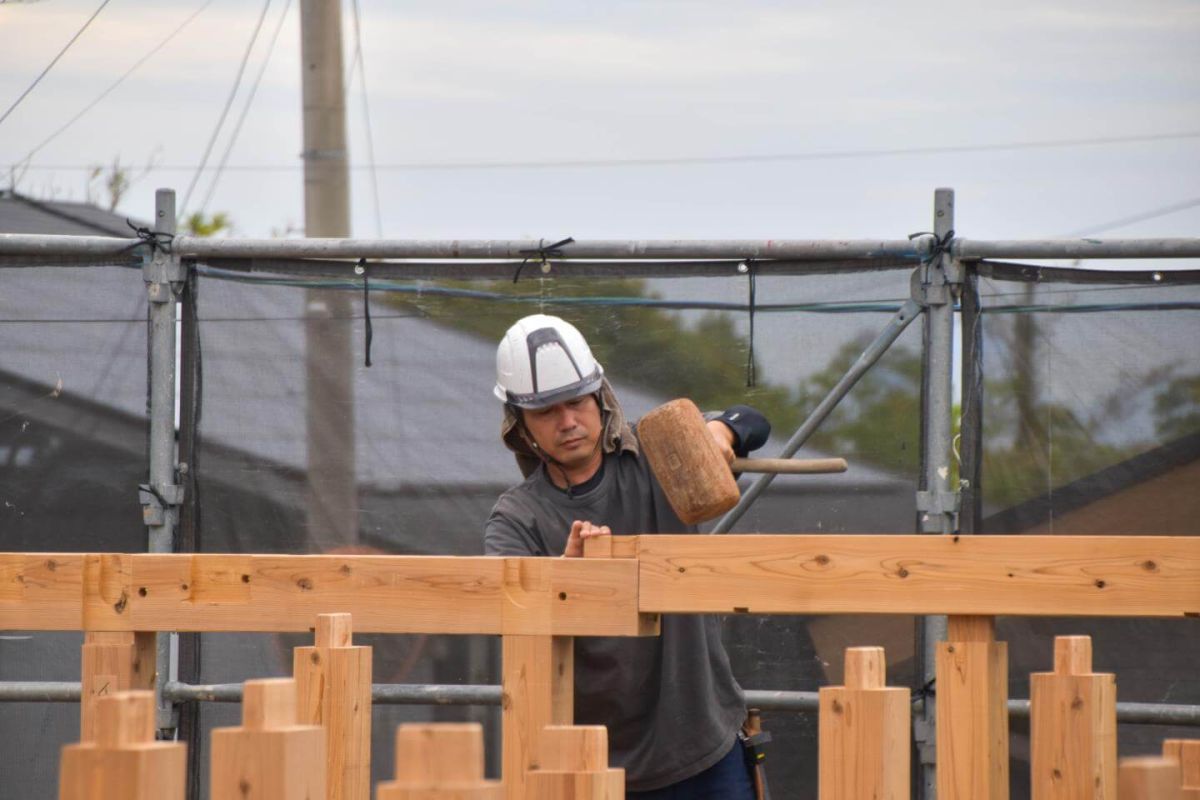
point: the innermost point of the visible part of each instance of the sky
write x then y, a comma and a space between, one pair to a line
469, 83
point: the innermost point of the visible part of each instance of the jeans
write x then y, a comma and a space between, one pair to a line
728, 779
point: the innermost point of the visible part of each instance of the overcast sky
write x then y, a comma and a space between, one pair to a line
452, 81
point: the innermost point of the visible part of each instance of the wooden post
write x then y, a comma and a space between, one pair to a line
1148, 778
538, 690
863, 739
123, 762
573, 763
112, 662
270, 757
972, 711
442, 761
1185, 753
333, 690
1074, 726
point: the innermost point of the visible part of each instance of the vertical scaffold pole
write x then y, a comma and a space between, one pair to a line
934, 286
164, 275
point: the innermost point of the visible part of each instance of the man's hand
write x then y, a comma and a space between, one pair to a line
580, 530
722, 434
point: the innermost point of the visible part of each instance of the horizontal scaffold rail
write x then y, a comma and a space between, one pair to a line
1101, 576
213, 251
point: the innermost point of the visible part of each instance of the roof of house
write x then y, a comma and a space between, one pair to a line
1089, 489
424, 411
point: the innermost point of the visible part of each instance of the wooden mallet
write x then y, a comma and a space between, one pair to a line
694, 475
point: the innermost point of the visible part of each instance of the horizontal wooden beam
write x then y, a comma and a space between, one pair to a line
385, 594
1111, 576
1101, 576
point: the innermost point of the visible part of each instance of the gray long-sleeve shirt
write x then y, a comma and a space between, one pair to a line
671, 703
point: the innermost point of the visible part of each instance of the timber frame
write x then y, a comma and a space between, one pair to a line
621, 588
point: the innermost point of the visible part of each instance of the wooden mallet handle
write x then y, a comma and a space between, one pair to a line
789, 466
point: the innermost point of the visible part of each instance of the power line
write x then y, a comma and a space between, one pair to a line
1142, 217
237, 128
816, 155
237, 82
29, 156
362, 71
49, 66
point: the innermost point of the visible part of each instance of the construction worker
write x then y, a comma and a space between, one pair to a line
671, 704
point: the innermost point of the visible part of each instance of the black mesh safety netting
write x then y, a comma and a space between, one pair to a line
418, 431
1089, 425
73, 433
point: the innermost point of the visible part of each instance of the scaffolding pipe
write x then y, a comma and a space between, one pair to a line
488, 695
899, 321
972, 249
793, 249
936, 505
161, 501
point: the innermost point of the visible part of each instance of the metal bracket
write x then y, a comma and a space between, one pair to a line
155, 501
939, 502
935, 282
164, 274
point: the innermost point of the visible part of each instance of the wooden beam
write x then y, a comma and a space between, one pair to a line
112, 662
538, 686
972, 712
385, 594
41, 591
123, 762
333, 690
863, 732
1103, 576
1073, 726
1116, 576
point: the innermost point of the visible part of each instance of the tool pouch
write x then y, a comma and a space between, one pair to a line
753, 737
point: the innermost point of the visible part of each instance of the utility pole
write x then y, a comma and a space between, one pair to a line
331, 496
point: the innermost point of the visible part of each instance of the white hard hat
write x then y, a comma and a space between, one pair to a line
544, 360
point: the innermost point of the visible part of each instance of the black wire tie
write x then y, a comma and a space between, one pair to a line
370, 334
542, 253
157, 240
940, 245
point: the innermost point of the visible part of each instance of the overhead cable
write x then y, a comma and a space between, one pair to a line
815, 155
1142, 217
237, 82
362, 71
29, 156
42, 74
237, 128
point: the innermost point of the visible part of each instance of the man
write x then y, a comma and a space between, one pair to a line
671, 704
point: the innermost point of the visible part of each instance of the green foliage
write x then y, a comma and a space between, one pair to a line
879, 421
1177, 407
1031, 445
199, 224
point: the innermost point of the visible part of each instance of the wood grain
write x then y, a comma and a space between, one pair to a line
573, 764
961, 575
863, 734
538, 685
1073, 728
333, 690
1148, 778
123, 762
972, 713
440, 761
269, 757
